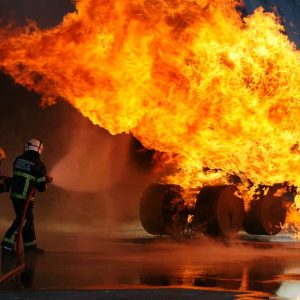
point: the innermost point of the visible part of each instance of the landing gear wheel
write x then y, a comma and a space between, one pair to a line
267, 213
160, 209
219, 211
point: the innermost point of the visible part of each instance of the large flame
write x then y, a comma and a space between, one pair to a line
189, 78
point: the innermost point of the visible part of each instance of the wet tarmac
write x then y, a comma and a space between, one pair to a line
160, 268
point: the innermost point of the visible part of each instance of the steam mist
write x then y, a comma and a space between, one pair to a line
95, 160
102, 183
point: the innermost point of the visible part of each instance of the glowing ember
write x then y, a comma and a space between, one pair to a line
191, 79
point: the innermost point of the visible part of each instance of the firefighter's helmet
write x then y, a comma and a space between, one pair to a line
34, 145
2, 154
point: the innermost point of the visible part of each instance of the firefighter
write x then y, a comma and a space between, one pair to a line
29, 175
5, 182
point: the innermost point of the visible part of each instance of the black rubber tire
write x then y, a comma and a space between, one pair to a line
152, 207
267, 214
219, 211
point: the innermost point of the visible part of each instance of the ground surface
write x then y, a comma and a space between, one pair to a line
156, 268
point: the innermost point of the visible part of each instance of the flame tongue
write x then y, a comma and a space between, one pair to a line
189, 78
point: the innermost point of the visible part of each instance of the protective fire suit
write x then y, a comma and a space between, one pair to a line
28, 173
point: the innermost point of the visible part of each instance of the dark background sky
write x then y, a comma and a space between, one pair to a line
46, 12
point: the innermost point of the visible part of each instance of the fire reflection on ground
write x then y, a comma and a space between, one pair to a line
261, 268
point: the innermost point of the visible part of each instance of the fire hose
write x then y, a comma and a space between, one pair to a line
20, 259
